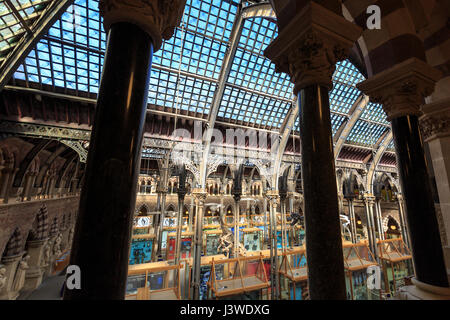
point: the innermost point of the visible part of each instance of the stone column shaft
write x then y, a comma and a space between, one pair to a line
103, 230
402, 89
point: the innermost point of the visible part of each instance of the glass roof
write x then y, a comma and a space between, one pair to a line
185, 72
12, 21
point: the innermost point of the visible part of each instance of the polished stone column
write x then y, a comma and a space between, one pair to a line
307, 48
200, 197
402, 90
103, 231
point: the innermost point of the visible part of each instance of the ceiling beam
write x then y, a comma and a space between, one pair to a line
376, 160
359, 107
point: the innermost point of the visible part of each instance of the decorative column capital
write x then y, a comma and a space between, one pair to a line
402, 89
158, 18
369, 199
162, 189
273, 197
200, 195
435, 123
310, 45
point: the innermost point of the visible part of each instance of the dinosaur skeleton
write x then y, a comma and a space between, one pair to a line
226, 241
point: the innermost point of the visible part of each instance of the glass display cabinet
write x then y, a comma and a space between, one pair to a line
397, 263
293, 274
141, 248
142, 225
211, 241
205, 273
252, 239
299, 235
211, 223
357, 259
186, 245
153, 281
241, 278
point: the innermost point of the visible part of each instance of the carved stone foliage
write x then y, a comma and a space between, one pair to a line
402, 89
308, 48
436, 120
158, 18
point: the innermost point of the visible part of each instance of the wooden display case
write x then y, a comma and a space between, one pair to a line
239, 276
396, 259
153, 281
293, 272
357, 258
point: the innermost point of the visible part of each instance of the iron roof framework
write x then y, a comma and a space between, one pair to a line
185, 72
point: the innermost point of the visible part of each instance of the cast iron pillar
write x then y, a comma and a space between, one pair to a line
181, 191
402, 89
200, 197
103, 231
307, 48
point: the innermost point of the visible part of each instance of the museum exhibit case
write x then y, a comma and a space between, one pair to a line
253, 239
357, 259
211, 241
153, 281
293, 273
205, 273
143, 225
141, 248
242, 278
186, 245
396, 261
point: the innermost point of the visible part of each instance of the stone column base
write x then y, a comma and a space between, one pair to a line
422, 291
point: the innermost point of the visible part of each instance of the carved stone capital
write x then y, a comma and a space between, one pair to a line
310, 45
403, 88
273, 196
435, 122
369, 199
200, 195
158, 18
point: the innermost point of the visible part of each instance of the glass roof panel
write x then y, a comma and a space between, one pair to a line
345, 93
11, 28
366, 133
375, 112
185, 71
255, 92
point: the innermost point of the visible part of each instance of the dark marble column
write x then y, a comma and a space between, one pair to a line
420, 212
322, 224
103, 230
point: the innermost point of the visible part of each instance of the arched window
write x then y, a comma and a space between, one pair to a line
393, 229
143, 211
